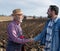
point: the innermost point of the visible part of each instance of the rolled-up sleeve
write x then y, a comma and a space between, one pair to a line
39, 36
12, 34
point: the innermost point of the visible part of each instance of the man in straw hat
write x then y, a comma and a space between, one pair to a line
15, 37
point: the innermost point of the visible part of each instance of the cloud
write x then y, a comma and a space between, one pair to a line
0, 0
29, 7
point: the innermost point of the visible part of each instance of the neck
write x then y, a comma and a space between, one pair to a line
17, 22
53, 17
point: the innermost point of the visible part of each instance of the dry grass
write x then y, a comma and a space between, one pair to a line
5, 18
29, 27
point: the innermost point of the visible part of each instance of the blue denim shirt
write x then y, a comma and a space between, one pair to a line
55, 33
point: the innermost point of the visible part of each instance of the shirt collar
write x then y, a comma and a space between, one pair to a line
55, 20
15, 23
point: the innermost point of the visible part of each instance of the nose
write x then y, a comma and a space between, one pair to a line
47, 12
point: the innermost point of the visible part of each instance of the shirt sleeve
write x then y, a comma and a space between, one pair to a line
13, 35
39, 36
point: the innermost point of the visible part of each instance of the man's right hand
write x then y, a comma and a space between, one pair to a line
31, 40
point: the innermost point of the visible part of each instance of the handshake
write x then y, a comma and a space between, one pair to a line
29, 40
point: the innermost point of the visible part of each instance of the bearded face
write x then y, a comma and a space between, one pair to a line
49, 13
18, 19
18, 16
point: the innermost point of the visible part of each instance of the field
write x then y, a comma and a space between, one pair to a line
31, 28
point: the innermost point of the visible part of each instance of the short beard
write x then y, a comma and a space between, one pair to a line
49, 16
18, 19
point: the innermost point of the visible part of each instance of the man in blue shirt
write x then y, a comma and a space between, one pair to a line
50, 36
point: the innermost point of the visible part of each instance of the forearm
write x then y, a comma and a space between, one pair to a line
40, 36
21, 41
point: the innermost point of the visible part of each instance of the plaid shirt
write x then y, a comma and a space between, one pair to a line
14, 31
14, 41
49, 36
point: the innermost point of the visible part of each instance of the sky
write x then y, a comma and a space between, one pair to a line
29, 7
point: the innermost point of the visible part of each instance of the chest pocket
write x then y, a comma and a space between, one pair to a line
56, 30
